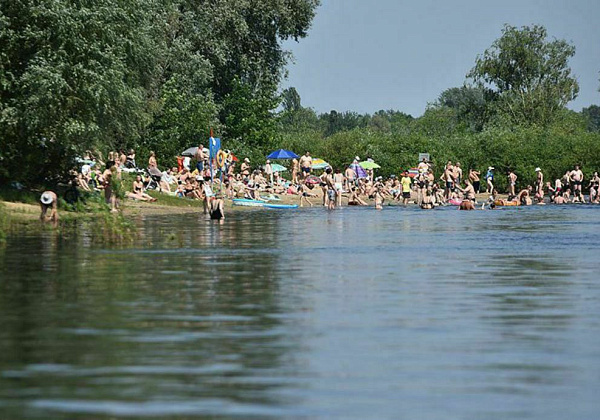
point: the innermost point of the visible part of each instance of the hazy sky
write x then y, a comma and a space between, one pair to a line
367, 55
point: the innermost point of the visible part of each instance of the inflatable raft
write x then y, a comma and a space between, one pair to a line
256, 203
506, 203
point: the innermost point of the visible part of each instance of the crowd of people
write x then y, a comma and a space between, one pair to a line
211, 180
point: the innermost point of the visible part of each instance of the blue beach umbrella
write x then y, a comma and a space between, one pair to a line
282, 154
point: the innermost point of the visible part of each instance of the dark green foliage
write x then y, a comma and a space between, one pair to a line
530, 74
148, 74
592, 116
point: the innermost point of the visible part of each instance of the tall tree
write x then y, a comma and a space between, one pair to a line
74, 75
530, 74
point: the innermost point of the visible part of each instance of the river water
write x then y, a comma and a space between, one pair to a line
351, 314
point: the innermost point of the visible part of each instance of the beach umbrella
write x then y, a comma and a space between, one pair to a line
369, 165
191, 152
277, 168
319, 163
360, 171
413, 172
282, 154
311, 179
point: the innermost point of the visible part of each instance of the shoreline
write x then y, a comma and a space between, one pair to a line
24, 212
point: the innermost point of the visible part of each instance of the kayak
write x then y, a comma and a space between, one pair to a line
281, 206
506, 203
248, 203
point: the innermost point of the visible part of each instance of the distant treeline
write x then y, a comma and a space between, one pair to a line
510, 113
158, 75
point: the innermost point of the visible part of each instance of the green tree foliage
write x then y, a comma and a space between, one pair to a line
157, 74
470, 104
530, 74
592, 115
74, 76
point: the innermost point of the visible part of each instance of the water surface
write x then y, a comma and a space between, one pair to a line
354, 314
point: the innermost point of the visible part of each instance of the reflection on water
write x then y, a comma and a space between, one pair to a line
349, 314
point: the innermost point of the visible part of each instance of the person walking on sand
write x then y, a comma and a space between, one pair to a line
306, 164
49, 201
295, 169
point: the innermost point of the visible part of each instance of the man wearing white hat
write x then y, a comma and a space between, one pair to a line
539, 182
49, 201
489, 177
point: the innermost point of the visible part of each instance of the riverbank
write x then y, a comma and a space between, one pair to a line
26, 212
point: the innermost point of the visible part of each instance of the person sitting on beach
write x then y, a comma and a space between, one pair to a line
167, 179
49, 201
354, 198
190, 189
138, 191
559, 199
567, 195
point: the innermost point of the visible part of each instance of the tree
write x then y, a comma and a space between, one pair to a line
592, 116
74, 76
470, 104
530, 74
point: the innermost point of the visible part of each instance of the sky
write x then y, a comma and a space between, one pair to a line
367, 55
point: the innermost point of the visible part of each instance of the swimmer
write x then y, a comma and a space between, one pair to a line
466, 205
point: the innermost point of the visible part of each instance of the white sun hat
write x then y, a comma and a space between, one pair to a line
537, 169
46, 198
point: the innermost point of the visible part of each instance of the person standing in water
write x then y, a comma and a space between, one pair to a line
576, 179
474, 178
539, 182
512, 182
489, 177
216, 208
330, 186
406, 187
339, 180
